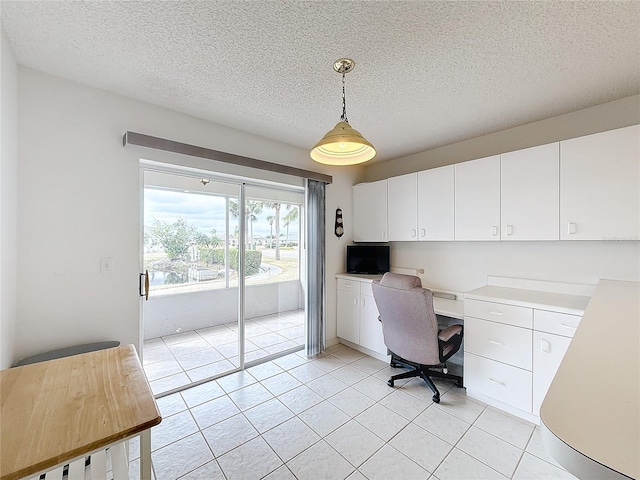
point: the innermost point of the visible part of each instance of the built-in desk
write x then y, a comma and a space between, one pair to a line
591, 414
357, 314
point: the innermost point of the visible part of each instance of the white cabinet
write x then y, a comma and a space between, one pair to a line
402, 207
512, 351
436, 204
357, 315
348, 313
529, 193
370, 212
600, 186
477, 199
551, 339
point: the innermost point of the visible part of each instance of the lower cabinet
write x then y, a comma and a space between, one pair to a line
357, 315
513, 352
509, 384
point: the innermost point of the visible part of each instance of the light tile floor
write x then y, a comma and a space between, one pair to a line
334, 417
180, 359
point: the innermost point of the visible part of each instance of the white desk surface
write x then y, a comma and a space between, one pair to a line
592, 408
442, 306
557, 302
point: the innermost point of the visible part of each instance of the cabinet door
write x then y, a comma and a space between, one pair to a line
370, 212
548, 352
370, 327
348, 315
599, 186
477, 199
436, 204
530, 206
402, 207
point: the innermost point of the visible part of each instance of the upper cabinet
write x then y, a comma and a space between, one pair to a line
529, 194
370, 212
477, 199
600, 186
403, 207
436, 204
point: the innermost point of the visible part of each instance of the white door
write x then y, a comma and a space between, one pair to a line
402, 207
370, 327
477, 199
600, 186
436, 204
529, 193
348, 315
370, 212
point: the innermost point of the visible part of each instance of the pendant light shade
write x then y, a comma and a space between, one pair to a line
343, 145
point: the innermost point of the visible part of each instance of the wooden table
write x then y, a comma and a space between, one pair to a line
53, 412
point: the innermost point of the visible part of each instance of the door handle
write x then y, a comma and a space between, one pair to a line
144, 294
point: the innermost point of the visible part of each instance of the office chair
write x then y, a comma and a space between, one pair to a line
410, 330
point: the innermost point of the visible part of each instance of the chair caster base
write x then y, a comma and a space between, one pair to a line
390, 383
436, 398
393, 365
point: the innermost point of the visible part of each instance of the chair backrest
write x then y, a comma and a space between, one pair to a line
409, 322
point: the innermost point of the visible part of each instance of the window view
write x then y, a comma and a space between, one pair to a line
187, 246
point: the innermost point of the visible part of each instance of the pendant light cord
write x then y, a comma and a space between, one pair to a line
344, 102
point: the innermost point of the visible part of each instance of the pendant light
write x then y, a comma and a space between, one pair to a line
343, 145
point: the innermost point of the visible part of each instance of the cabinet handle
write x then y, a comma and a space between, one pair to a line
571, 228
384, 234
493, 312
495, 342
423, 233
413, 232
568, 326
545, 346
509, 229
363, 301
347, 285
494, 231
498, 382
355, 300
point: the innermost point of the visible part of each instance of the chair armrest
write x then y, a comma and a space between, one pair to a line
446, 334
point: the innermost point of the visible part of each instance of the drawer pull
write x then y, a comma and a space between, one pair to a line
495, 313
495, 342
493, 380
568, 326
355, 300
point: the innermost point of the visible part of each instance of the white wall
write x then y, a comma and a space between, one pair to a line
79, 200
8, 201
462, 266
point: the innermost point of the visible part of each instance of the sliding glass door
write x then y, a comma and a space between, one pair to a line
209, 312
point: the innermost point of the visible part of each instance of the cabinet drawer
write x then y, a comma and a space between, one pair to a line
505, 343
510, 385
498, 312
349, 286
553, 322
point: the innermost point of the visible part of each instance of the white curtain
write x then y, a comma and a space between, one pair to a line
315, 200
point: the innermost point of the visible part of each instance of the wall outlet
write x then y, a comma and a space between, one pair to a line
106, 264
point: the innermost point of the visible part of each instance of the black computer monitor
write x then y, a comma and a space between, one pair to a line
369, 259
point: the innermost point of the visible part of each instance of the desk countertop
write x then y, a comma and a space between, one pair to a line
558, 302
61, 409
591, 414
442, 306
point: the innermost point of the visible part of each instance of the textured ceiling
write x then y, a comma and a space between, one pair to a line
427, 73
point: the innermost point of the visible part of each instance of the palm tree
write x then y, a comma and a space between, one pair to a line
251, 211
270, 219
276, 207
290, 218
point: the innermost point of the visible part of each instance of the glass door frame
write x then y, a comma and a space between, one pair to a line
161, 167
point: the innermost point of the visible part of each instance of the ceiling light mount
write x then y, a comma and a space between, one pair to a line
343, 145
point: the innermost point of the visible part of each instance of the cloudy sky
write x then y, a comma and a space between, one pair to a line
205, 212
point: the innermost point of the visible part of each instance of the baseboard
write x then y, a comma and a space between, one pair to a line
516, 412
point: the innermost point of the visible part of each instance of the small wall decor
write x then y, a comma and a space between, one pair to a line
339, 228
